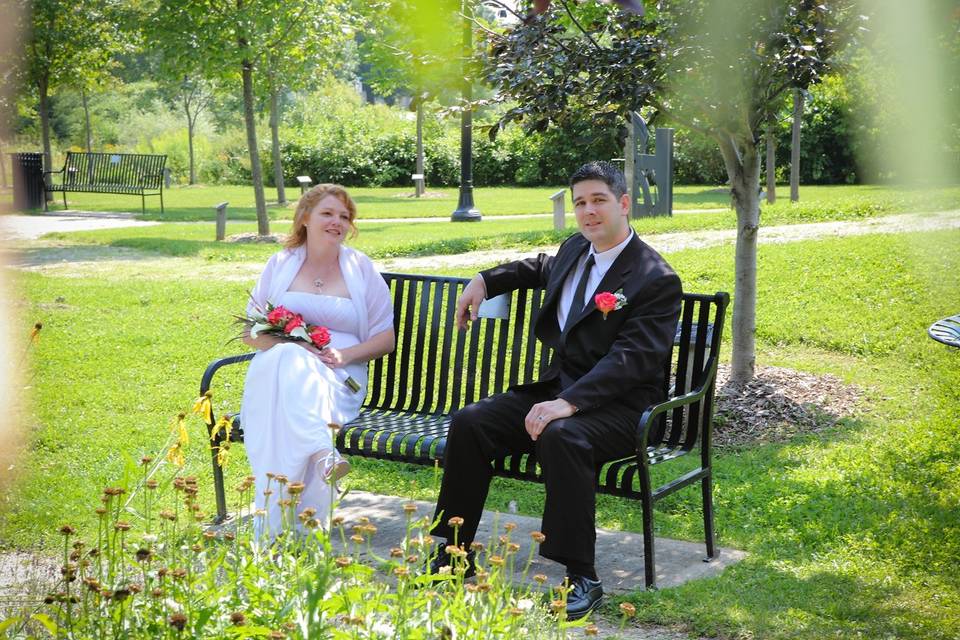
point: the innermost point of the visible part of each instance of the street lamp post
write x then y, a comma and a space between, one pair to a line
466, 211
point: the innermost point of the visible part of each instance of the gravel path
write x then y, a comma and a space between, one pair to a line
670, 242
73, 260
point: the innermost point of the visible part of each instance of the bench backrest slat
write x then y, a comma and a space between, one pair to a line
438, 369
124, 169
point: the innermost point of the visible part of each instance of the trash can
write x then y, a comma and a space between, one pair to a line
27, 180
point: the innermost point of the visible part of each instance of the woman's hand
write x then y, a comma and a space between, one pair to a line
333, 358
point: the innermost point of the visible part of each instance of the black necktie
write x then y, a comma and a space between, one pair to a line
576, 305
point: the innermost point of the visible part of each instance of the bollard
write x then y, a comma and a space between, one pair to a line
559, 213
418, 183
221, 220
305, 182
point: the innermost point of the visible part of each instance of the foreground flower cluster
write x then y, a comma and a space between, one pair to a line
153, 570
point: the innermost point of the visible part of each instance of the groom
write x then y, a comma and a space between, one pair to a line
607, 367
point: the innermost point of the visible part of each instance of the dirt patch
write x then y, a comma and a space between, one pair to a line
779, 404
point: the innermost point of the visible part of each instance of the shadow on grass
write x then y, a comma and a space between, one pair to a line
35, 257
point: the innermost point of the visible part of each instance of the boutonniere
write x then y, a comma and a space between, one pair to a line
607, 302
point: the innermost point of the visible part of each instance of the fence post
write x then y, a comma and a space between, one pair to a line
221, 220
559, 209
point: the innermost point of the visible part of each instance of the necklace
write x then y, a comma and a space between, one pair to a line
318, 283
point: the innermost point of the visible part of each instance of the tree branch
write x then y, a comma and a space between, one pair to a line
580, 26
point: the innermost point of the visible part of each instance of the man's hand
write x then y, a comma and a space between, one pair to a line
469, 301
542, 413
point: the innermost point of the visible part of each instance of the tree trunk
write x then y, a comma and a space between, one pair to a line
744, 173
191, 122
43, 87
86, 120
422, 184
256, 171
3, 169
795, 146
275, 145
771, 166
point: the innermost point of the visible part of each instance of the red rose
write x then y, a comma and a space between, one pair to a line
606, 302
320, 337
280, 315
293, 323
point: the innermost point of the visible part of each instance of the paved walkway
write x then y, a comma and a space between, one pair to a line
619, 554
18, 227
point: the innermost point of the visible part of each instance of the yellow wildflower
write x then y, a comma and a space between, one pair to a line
202, 407
223, 453
180, 428
175, 455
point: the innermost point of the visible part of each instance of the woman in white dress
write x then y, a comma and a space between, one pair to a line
293, 391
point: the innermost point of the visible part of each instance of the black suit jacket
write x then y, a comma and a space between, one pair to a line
597, 361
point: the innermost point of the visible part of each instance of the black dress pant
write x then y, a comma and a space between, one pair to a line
569, 451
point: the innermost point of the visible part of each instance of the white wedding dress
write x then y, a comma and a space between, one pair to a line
289, 400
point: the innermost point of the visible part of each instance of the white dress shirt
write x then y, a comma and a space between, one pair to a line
600, 268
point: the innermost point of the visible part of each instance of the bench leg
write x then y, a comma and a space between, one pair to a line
218, 487
143, 203
707, 486
64, 200
646, 503
161, 200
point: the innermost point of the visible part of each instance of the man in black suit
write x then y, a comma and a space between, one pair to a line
606, 369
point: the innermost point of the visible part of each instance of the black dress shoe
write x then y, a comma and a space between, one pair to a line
443, 559
585, 596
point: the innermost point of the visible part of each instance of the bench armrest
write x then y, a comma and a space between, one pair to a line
46, 173
694, 395
214, 366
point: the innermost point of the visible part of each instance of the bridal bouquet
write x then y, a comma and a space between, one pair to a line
282, 323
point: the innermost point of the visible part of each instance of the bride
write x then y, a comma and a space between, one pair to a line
293, 391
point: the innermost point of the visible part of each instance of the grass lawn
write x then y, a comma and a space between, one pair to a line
197, 202
853, 532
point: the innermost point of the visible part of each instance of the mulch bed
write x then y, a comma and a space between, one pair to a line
254, 238
779, 404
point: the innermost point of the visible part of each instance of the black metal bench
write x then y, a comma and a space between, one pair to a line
436, 369
118, 173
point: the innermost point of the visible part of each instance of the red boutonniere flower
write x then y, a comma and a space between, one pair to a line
607, 302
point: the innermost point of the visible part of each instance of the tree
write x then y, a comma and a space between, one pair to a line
403, 55
69, 44
721, 68
297, 57
227, 39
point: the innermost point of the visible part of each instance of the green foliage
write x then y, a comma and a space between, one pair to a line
150, 570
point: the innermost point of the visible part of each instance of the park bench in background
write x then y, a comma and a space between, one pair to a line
118, 173
437, 369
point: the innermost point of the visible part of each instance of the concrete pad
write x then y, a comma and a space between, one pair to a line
619, 554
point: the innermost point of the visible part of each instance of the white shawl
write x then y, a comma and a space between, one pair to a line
368, 291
